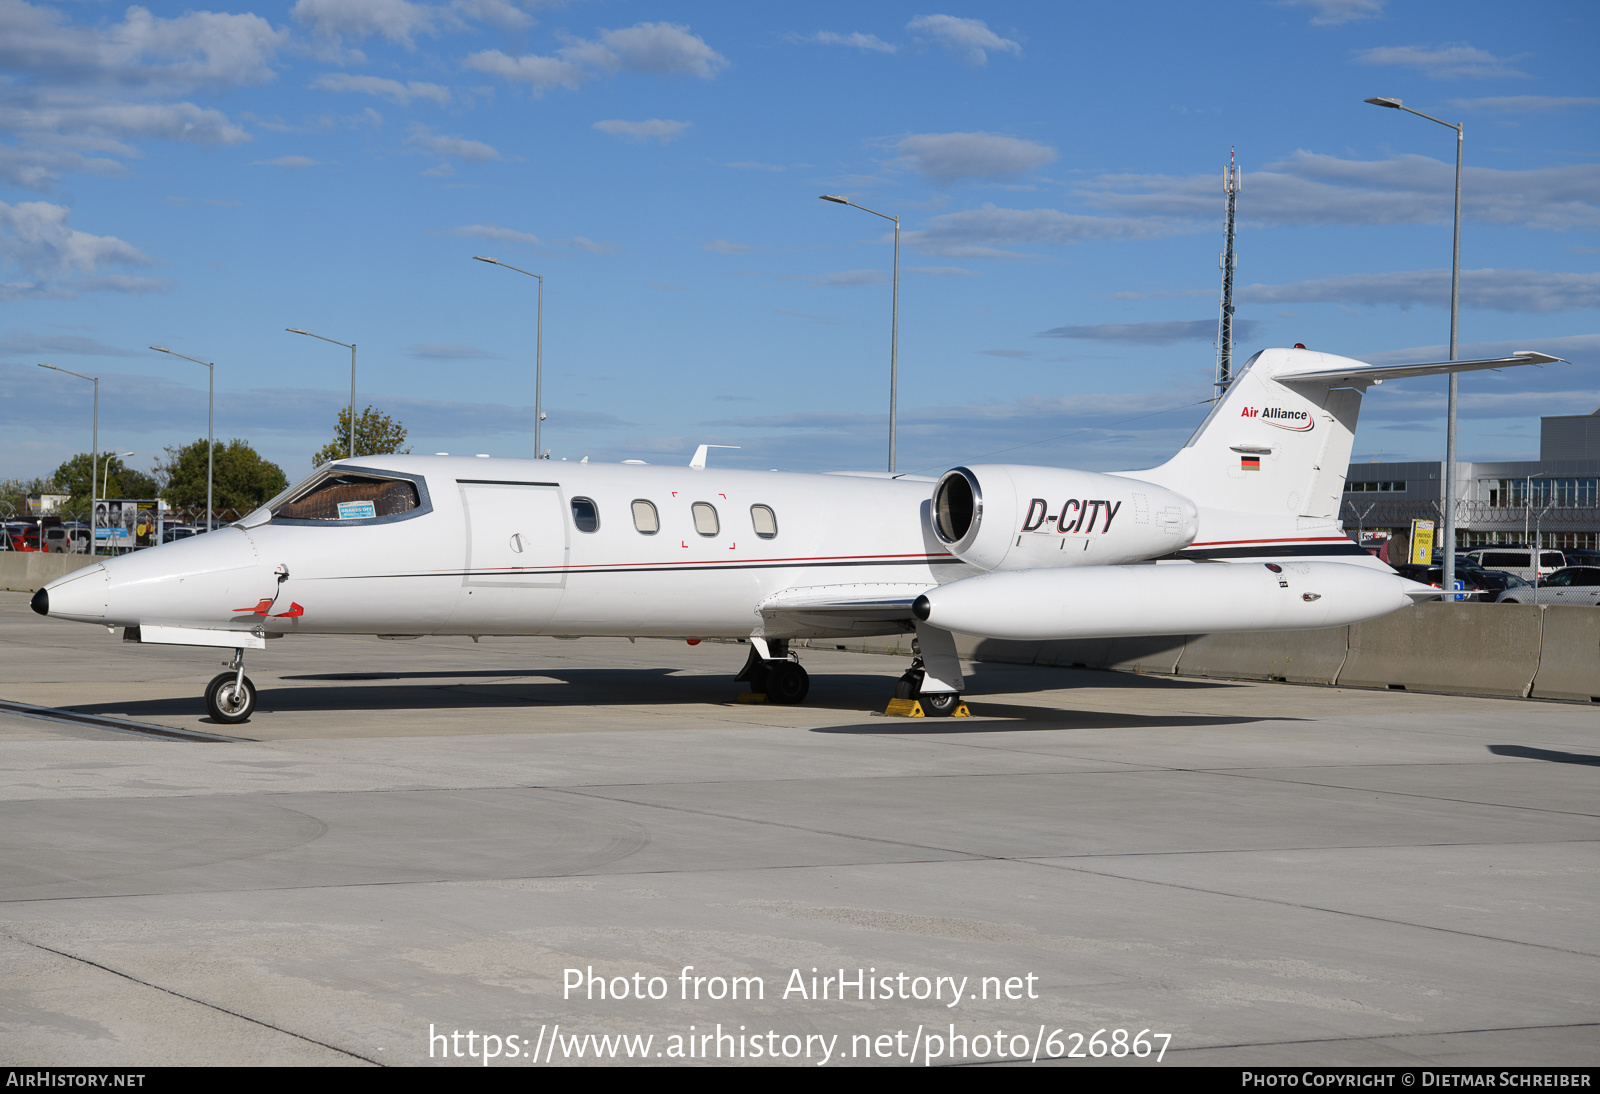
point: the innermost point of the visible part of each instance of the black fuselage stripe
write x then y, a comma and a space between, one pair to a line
503, 482
1282, 550
680, 568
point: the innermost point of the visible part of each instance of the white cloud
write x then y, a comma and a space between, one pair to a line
656, 130
1580, 349
840, 279
527, 239
35, 237
459, 147
57, 115
21, 343
500, 13
75, 89
142, 50
1309, 188
1154, 334
979, 233
663, 48
971, 38
1523, 104
396, 20
941, 271
723, 247
1332, 13
946, 157
1451, 62
394, 90
1540, 292
855, 40
542, 73
37, 167
291, 163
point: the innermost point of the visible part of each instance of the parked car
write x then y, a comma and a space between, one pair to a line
181, 531
1517, 560
1495, 582
23, 535
1574, 585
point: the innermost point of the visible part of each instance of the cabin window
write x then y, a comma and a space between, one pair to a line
645, 517
585, 514
765, 521
705, 518
346, 497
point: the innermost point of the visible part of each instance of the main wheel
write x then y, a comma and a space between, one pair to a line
909, 686
940, 704
227, 703
758, 677
787, 683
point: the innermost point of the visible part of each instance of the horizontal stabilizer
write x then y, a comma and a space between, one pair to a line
1376, 374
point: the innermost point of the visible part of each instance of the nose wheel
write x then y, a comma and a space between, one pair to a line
230, 699
231, 696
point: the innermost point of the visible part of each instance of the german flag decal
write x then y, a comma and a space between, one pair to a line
1249, 463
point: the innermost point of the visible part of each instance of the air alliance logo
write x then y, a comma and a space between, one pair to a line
1300, 421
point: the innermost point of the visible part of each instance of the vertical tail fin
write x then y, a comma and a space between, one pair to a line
1270, 445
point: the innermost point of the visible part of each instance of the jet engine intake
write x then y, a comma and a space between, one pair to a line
1015, 517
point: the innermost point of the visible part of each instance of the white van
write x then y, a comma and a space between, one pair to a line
1517, 560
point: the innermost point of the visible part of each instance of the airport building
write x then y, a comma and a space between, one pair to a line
1555, 498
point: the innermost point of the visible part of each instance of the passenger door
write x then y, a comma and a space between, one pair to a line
515, 569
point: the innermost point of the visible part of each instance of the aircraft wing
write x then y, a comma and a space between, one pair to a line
863, 608
1376, 374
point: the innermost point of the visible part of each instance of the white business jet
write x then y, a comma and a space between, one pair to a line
1237, 532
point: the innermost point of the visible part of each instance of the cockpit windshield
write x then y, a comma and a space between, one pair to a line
346, 495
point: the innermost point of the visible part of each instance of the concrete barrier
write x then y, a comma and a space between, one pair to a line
1461, 649
1299, 657
25, 571
1569, 655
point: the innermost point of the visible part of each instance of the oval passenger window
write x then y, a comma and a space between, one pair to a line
585, 514
765, 521
645, 518
705, 518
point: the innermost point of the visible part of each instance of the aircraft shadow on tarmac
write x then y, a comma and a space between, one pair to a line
1522, 752
489, 689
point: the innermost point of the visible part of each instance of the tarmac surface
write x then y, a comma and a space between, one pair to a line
422, 838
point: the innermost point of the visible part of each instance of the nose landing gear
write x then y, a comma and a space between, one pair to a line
231, 696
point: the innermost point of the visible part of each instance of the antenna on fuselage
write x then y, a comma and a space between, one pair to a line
1228, 261
699, 461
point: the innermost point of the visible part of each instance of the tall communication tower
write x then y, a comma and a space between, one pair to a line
1227, 260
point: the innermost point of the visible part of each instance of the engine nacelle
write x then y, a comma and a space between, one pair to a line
1015, 517
1178, 598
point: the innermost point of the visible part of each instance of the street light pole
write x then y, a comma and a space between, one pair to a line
894, 321
538, 355
105, 470
1455, 316
94, 454
351, 346
211, 405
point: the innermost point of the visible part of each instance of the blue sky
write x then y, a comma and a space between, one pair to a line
205, 179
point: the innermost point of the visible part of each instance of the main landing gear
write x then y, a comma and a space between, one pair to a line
934, 678
231, 697
770, 671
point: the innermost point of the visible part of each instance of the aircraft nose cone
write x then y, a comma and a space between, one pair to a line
41, 602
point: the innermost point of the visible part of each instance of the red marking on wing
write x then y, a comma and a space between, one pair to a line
264, 606
294, 612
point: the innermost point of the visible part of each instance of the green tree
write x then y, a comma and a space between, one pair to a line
377, 434
243, 480
116, 480
14, 495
